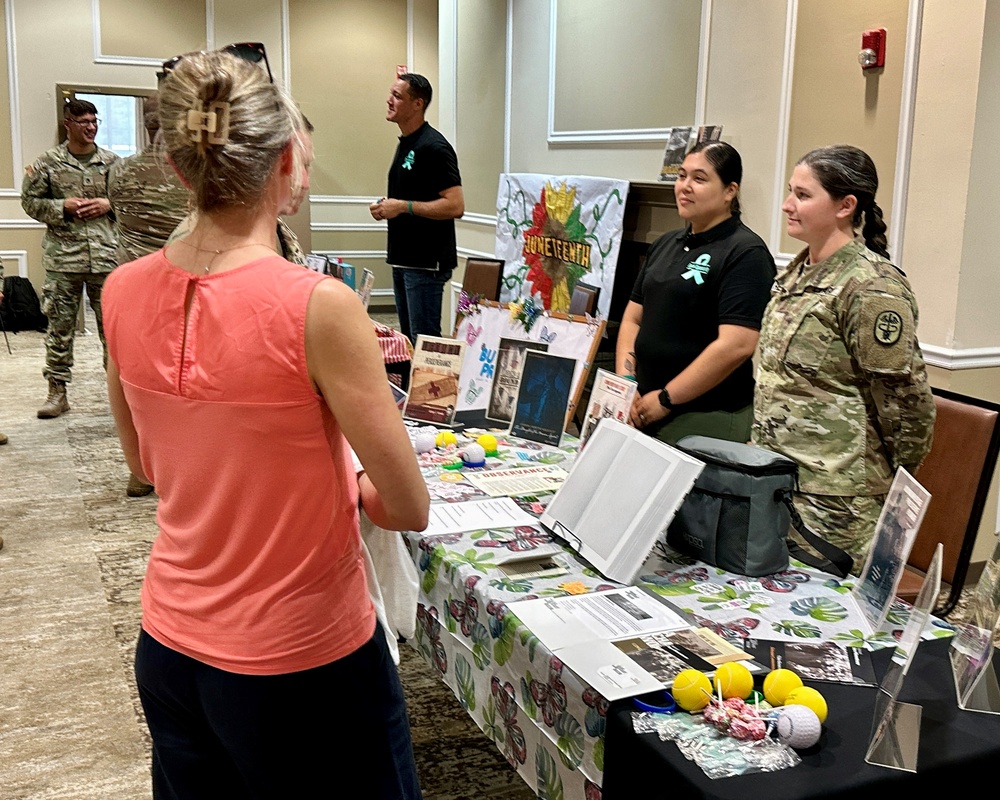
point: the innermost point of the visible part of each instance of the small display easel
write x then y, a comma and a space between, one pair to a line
972, 648
895, 739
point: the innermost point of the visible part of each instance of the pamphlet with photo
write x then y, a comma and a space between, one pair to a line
434, 372
610, 398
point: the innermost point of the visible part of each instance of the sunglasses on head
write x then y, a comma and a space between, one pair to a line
253, 52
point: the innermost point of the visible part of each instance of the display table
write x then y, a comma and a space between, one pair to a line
956, 748
548, 723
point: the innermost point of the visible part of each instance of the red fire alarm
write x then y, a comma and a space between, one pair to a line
872, 55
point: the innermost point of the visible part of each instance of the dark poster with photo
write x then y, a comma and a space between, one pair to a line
540, 410
815, 661
507, 378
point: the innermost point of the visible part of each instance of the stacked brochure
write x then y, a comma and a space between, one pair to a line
582, 630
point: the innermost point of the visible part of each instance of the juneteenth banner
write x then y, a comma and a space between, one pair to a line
556, 231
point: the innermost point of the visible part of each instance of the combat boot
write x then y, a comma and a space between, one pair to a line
56, 403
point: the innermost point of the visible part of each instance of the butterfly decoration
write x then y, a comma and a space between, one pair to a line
466, 611
551, 696
472, 333
525, 312
523, 539
546, 335
468, 304
733, 629
474, 391
592, 323
781, 582
429, 637
514, 748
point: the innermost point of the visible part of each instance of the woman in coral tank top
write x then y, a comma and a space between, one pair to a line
239, 383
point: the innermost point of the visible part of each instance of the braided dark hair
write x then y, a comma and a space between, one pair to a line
843, 170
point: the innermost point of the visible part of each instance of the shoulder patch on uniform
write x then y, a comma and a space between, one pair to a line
885, 334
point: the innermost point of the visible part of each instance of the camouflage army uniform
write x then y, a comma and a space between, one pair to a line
149, 202
291, 250
75, 252
842, 388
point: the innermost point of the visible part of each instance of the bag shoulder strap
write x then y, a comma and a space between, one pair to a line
831, 559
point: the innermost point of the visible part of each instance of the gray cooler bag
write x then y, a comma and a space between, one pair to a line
738, 513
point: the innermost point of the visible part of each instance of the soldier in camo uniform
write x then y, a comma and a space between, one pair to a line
148, 198
841, 383
67, 189
149, 201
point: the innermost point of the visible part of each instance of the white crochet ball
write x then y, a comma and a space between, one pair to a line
798, 727
424, 442
473, 454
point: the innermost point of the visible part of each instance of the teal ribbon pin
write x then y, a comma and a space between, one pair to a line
408, 161
697, 269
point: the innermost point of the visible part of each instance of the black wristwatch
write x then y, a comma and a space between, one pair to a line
664, 398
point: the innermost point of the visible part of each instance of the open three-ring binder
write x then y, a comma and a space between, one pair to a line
621, 494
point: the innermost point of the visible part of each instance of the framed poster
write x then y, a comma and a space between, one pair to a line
564, 335
507, 377
543, 397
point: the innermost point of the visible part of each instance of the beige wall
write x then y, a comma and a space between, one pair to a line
152, 30
941, 162
591, 34
480, 89
977, 323
6, 162
833, 100
744, 95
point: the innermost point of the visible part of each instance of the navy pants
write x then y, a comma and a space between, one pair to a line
418, 300
317, 733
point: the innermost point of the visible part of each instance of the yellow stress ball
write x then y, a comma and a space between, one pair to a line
446, 438
488, 442
691, 690
777, 685
733, 680
810, 698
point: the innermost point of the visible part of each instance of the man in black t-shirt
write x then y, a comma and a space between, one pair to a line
424, 200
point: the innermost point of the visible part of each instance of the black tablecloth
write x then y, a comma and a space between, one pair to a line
955, 745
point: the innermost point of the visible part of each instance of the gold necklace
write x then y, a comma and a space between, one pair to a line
218, 252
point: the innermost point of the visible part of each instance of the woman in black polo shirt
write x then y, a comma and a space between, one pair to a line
692, 323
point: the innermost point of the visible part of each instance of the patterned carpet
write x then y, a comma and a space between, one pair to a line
70, 573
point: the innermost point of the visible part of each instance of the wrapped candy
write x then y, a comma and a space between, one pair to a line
737, 719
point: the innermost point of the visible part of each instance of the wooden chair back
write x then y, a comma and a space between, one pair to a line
584, 299
483, 277
957, 472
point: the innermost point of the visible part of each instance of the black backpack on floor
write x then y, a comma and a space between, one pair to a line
20, 310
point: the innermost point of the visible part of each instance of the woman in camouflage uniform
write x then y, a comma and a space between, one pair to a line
841, 383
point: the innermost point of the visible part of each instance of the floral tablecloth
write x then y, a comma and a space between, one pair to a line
545, 720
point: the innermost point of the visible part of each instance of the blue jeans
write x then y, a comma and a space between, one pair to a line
219, 734
418, 300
